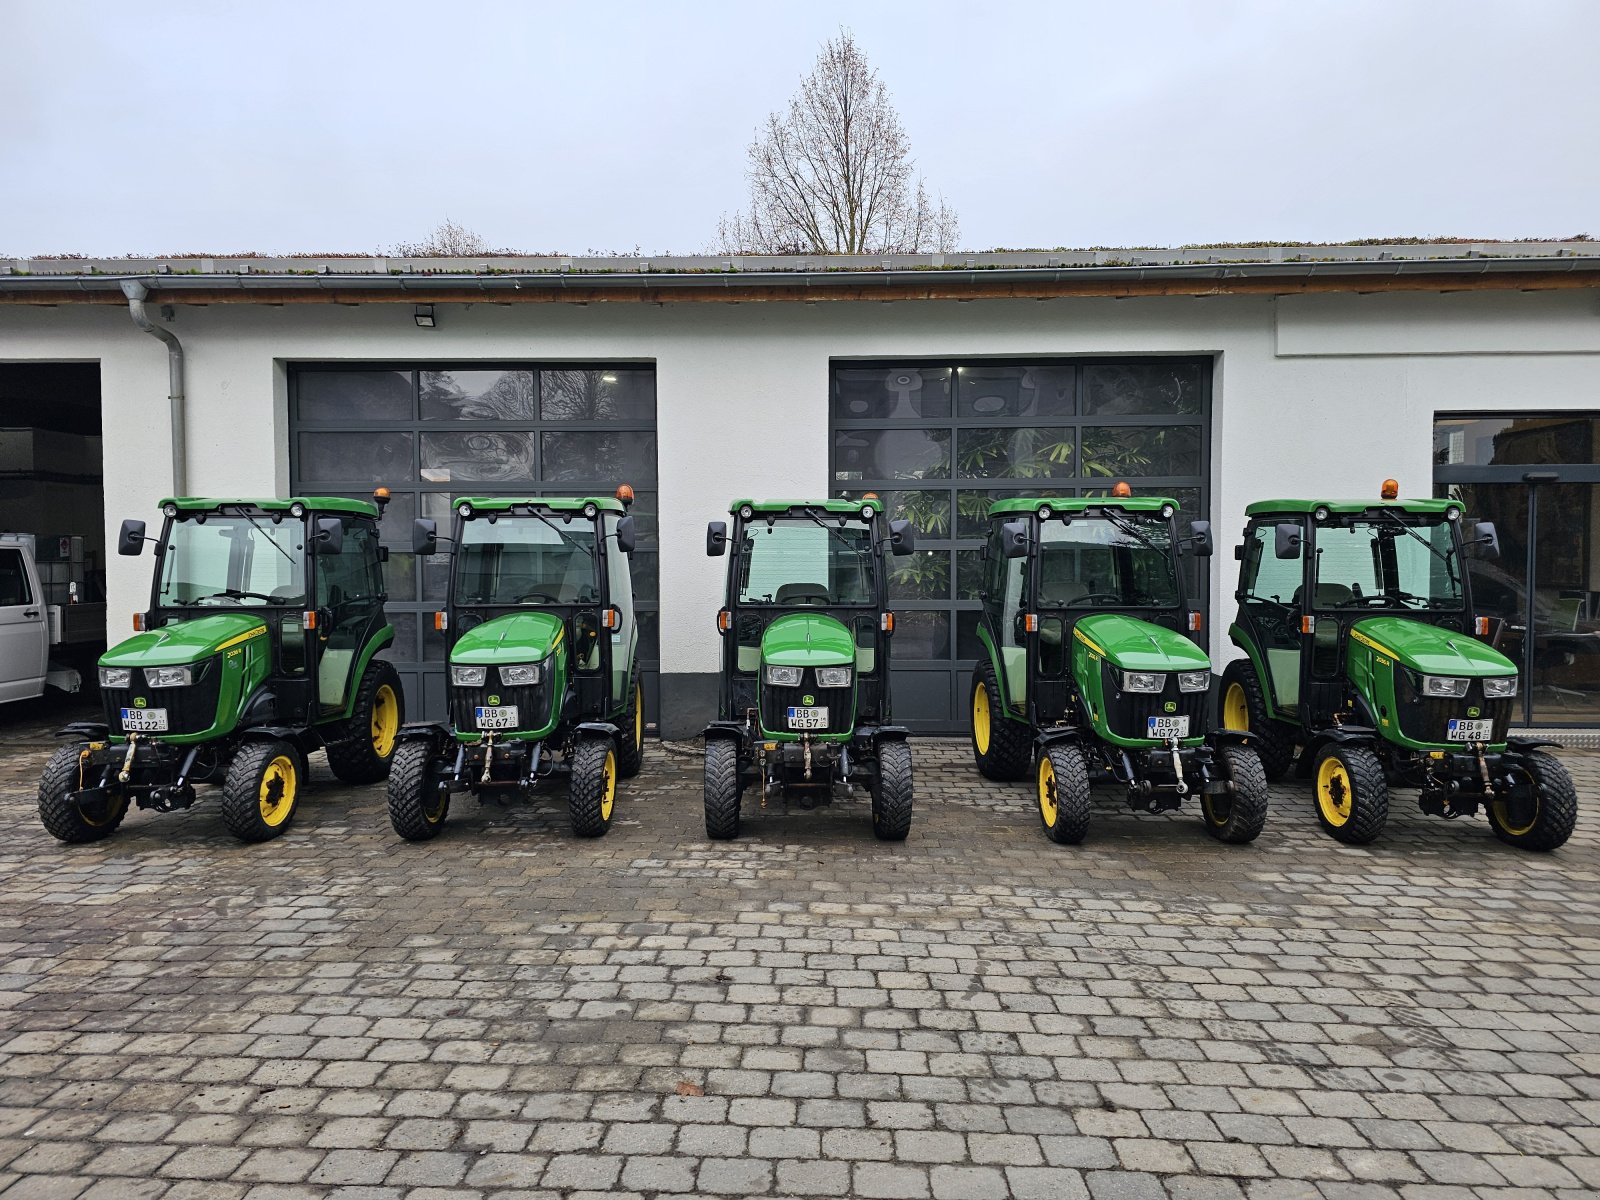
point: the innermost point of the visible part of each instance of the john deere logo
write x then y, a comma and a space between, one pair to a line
1171, 706
808, 699
138, 702
1474, 711
494, 699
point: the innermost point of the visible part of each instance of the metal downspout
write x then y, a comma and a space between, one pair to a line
136, 293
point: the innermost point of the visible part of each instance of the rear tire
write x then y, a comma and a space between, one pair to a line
593, 792
891, 793
1063, 793
1352, 794
262, 790
1238, 816
1243, 693
417, 808
364, 744
722, 789
630, 735
1545, 821
69, 821
1001, 747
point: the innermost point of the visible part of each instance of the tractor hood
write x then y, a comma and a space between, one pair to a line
523, 637
1136, 645
184, 641
1429, 649
807, 640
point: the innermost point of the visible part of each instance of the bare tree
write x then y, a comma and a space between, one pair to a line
833, 175
448, 240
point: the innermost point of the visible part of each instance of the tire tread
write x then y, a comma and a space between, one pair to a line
892, 792
722, 789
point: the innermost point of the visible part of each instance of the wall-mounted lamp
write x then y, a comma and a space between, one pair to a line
424, 316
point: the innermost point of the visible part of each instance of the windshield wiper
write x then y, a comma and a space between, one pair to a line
843, 541
1449, 566
1132, 530
243, 512
231, 594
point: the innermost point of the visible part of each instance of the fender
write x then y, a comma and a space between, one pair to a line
885, 733
1057, 733
423, 731
601, 727
733, 731
261, 708
1514, 745
97, 732
1342, 735
1240, 737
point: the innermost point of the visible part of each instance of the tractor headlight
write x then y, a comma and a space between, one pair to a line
1143, 681
521, 675
783, 676
1194, 681
1500, 688
116, 677
1444, 685
832, 677
169, 676
468, 676
297, 510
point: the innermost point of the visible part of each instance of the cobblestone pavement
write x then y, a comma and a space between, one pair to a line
511, 1012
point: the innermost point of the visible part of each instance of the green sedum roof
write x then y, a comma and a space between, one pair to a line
1022, 504
552, 503
341, 504
783, 506
1350, 507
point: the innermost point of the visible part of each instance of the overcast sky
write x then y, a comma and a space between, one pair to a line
563, 127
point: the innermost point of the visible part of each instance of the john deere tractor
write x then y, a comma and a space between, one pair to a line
803, 709
258, 649
544, 662
1362, 648
1088, 671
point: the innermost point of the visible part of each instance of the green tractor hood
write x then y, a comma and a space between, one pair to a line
807, 640
522, 637
184, 641
1429, 649
1136, 645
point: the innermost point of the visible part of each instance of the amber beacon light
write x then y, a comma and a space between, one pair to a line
1391, 489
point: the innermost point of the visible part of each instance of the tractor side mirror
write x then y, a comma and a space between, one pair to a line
1200, 539
627, 535
902, 537
329, 536
1486, 542
131, 539
424, 536
1014, 534
1286, 540
716, 539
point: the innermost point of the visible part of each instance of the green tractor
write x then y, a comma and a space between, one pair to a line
1088, 669
543, 662
803, 708
258, 649
1363, 649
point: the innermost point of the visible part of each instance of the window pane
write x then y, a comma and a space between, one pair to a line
921, 575
14, 587
353, 395
483, 456
649, 637
1014, 391
435, 578
404, 646
967, 643
1135, 450
373, 457
646, 577
969, 574
400, 576
1014, 453
1157, 388
478, 396
921, 635
644, 513
891, 454
1515, 441
891, 393
609, 394
622, 457
928, 511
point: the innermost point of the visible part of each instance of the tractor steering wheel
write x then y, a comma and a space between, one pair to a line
1094, 597
538, 595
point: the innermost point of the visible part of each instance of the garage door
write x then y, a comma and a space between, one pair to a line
939, 441
433, 432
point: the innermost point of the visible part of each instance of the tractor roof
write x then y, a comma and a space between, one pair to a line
783, 506
1350, 507
1023, 504
342, 504
554, 503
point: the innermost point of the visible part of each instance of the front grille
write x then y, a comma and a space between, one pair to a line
776, 701
1128, 713
532, 702
191, 709
1427, 718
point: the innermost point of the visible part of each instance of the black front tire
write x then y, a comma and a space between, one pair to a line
1273, 740
1352, 794
593, 791
67, 820
630, 735
1001, 748
1238, 816
1545, 820
722, 789
417, 808
891, 792
1063, 797
364, 744
262, 791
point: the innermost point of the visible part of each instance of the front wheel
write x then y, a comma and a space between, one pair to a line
78, 820
722, 789
891, 792
1063, 794
1352, 794
593, 792
262, 790
1001, 747
1238, 816
1540, 812
630, 735
417, 804
1244, 708
365, 743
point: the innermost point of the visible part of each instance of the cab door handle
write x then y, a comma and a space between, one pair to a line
32, 612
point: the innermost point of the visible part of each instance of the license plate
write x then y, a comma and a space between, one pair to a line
144, 720
1168, 727
808, 718
504, 717
1471, 731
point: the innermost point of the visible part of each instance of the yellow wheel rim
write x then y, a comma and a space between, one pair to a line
385, 721
980, 719
638, 717
1334, 795
608, 786
276, 793
108, 812
1235, 708
1048, 808
1504, 810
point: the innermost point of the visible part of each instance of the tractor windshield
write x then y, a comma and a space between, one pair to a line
798, 560
1388, 562
1117, 560
212, 559
524, 559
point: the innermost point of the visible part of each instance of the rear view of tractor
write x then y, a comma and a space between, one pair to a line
1089, 672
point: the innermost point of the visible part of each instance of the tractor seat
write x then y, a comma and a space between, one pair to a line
289, 594
1329, 595
801, 593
